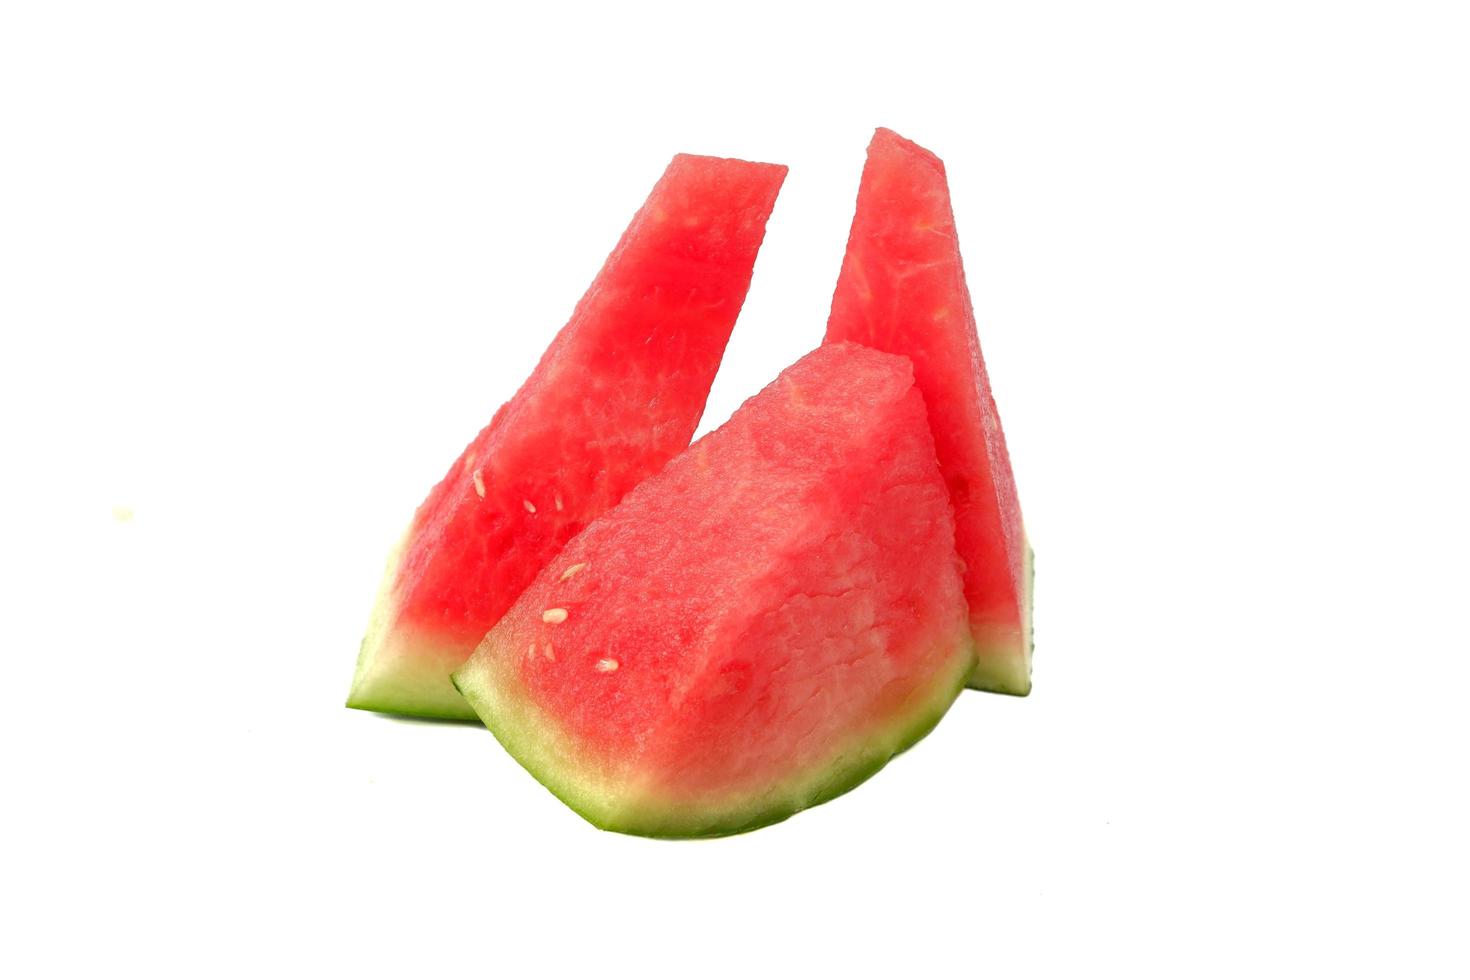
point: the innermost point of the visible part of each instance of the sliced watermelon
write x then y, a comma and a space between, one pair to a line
618, 394
755, 629
902, 290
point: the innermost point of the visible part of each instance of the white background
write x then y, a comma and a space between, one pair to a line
266, 267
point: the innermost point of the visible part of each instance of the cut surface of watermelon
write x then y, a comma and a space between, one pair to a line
756, 628
902, 289
617, 394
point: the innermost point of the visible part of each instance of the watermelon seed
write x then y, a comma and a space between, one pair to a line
479, 484
530, 507
554, 616
607, 665
558, 501
572, 570
550, 653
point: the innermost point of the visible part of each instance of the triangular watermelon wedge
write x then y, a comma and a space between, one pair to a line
902, 290
618, 393
756, 628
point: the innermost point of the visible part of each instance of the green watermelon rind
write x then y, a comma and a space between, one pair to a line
1004, 666
527, 739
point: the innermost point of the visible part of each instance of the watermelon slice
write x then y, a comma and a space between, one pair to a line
755, 629
618, 394
902, 290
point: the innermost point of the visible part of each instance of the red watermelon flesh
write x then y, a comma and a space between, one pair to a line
755, 629
617, 394
902, 289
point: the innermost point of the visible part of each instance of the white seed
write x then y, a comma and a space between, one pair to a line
531, 650
530, 507
479, 484
558, 501
554, 616
548, 652
607, 665
572, 570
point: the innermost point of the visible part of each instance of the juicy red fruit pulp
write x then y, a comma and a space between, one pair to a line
618, 393
902, 289
752, 630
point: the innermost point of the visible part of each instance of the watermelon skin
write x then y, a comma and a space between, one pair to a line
754, 630
617, 394
902, 289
